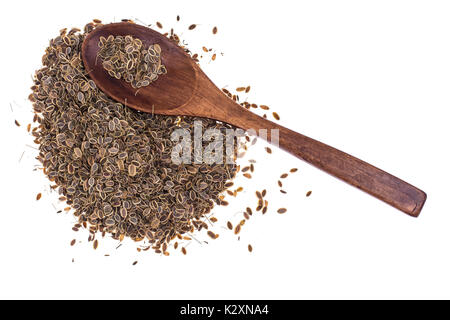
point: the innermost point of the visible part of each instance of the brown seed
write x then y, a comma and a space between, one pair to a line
38, 196
72, 243
247, 90
213, 57
264, 107
95, 244
183, 250
282, 191
237, 229
284, 176
268, 150
263, 193
230, 225
250, 248
213, 219
214, 30
280, 184
282, 210
29, 127
240, 89
246, 216
308, 193
178, 18
135, 263
293, 170
212, 235
17, 123
247, 175
259, 195
192, 26
159, 25
276, 116
249, 211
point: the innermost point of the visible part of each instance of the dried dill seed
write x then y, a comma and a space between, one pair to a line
17, 123
242, 222
159, 25
245, 169
29, 127
282, 191
214, 30
213, 58
38, 196
247, 90
280, 184
282, 210
259, 195
230, 225
247, 175
293, 170
183, 250
308, 193
264, 107
263, 193
284, 176
276, 116
95, 245
192, 26
246, 216
240, 89
264, 210
252, 167
237, 229
178, 18
72, 243
135, 263
268, 150
205, 49
250, 248
213, 219
212, 235
249, 211
175, 246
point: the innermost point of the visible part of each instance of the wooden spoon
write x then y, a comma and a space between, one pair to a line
186, 90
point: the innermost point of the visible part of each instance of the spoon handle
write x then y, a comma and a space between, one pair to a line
356, 172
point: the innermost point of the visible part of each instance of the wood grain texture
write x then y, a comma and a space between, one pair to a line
186, 90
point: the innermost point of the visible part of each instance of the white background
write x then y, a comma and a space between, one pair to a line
371, 78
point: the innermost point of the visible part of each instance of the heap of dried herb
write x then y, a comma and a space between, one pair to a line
112, 164
127, 58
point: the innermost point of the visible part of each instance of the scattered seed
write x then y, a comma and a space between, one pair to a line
284, 176
159, 25
192, 26
183, 250
293, 170
72, 243
135, 263
95, 244
38, 196
214, 30
282, 210
276, 116
264, 107
268, 150
237, 229
230, 225
17, 123
308, 193
250, 248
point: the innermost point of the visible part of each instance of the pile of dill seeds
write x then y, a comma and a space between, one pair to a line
126, 58
112, 164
